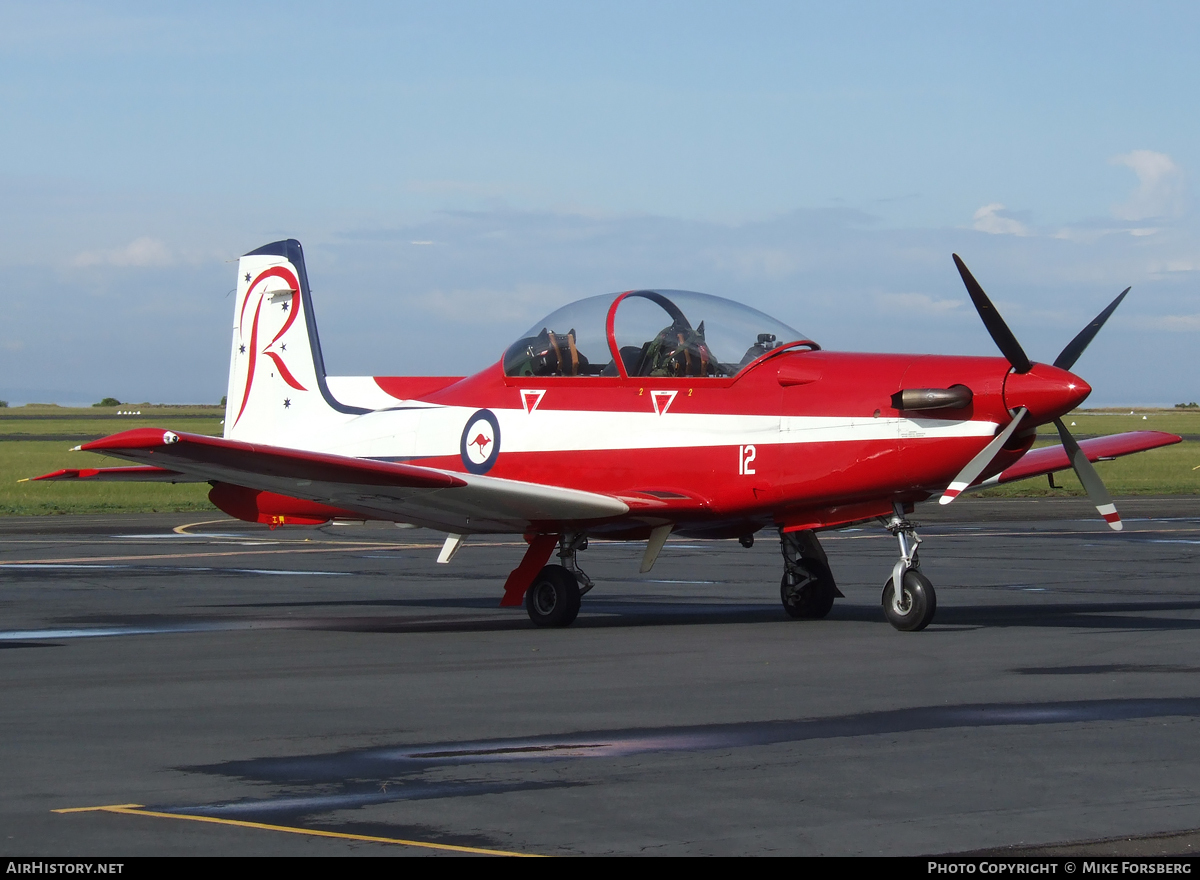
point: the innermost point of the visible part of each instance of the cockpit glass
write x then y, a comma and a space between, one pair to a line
657, 333
572, 341
680, 333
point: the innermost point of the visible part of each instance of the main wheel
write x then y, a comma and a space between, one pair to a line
809, 599
553, 597
913, 609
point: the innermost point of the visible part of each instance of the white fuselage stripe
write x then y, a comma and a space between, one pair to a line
437, 431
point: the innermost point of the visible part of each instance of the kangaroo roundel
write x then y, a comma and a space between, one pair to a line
480, 443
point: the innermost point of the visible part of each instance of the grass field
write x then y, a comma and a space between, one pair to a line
1166, 471
1087, 422
35, 440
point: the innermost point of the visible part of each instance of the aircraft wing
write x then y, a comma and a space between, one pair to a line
1049, 459
452, 502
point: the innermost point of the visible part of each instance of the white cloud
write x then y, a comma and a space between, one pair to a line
1173, 323
143, 251
1177, 264
1082, 234
759, 262
522, 303
1161, 189
991, 219
919, 303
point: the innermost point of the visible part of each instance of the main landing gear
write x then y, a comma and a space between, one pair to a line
807, 589
912, 607
554, 595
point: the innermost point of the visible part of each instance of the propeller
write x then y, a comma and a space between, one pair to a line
1001, 335
975, 467
1011, 349
1075, 347
1090, 479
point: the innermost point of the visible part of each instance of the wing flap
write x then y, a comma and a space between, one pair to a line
1049, 459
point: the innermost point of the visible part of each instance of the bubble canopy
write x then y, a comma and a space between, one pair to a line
666, 333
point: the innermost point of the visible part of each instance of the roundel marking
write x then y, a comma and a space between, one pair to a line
480, 443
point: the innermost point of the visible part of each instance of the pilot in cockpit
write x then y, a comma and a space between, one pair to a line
547, 354
678, 350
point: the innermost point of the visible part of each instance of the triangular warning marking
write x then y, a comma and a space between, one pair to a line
530, 399
662, 400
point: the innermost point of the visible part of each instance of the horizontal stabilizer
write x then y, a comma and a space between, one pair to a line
1050, 459
122, 475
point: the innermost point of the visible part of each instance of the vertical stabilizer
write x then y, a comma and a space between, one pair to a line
277, 390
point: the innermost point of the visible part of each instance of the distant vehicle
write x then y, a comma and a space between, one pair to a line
632, 415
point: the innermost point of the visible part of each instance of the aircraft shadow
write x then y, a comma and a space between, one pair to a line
607, 614
315, 784
1076, 615
1147, 616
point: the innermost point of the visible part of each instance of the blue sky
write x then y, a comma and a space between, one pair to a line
455, 170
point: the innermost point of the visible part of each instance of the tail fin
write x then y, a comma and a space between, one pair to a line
277, 391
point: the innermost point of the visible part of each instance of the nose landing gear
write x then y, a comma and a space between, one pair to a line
911, 607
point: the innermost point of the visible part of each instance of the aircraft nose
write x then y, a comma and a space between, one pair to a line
1047, 392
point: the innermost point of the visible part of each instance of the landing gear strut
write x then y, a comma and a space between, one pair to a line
553, 597
807, 588
912, 607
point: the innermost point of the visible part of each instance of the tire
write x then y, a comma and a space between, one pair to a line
812, 599
553, 597
916, 606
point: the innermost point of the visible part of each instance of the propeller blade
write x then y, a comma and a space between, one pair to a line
1001, 335
1090, 479
975, 467
1075, 347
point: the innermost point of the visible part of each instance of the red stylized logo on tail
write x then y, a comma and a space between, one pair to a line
288, 276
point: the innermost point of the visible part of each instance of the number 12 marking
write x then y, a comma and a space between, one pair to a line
746, 459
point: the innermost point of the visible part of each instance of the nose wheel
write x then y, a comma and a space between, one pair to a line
911, 607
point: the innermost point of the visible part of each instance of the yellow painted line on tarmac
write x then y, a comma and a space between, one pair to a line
137, 810
110, 807
183, 530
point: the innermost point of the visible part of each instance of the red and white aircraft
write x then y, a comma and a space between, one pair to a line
634, 416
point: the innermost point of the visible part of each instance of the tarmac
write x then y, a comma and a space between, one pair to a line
175, 687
